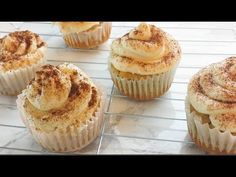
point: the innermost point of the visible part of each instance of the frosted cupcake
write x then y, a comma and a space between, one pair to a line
143, 62
85, 35
21, 54
62, 108
211, 107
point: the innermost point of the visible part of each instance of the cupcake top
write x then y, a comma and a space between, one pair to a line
60, 96
20, 49
145, 50
212, 91
76, 27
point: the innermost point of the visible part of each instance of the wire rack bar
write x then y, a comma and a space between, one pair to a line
146, 138
161, 26
103, 126
143, 116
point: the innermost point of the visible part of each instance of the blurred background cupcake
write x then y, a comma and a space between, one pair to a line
143, 62
211, 107
62, 108
85, 35
21, 54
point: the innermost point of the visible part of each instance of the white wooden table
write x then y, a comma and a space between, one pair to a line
130, 127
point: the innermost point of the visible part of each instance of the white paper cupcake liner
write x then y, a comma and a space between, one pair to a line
89, 39
13, 82
209, 139
71, 139
145, 89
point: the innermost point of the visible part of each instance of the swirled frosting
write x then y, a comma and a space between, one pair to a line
20, 49
76, 27
145, 50
60, 96
212, 91
50, 89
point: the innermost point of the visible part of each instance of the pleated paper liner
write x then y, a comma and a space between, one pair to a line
146, 89
13, 82
89, 39
209, 139
70, 139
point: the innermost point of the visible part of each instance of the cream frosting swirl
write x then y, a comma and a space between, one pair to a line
145, 50
60, 96
50, 89
19, 49
212, 91
76, 27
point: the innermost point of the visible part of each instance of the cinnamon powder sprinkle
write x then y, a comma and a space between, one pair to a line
77, 89
93, 99
20, 37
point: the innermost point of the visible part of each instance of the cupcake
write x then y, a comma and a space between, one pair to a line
62, 108
142, 63
211, 107
85, 35
21, 54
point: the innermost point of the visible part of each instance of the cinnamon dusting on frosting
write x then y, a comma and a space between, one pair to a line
212, 91
93, 99
146, 50
142, 32
19, 49
60, 96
